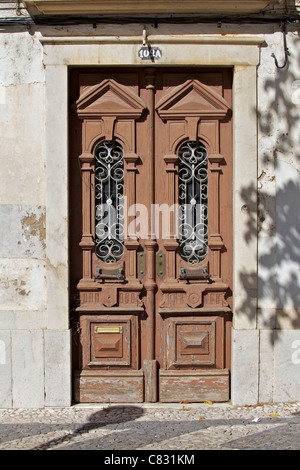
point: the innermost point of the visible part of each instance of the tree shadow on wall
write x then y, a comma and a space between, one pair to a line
278, 217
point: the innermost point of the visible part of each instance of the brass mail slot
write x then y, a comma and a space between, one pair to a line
108, 329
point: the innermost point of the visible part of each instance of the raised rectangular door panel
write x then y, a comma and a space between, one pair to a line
178, 386
151, 233
108, 386
109, 342
193, 342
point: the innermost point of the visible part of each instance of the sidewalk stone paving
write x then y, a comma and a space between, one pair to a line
152, 427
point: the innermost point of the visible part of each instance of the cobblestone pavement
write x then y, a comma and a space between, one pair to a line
157, 427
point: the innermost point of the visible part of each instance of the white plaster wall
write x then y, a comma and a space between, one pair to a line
34, 356
274, 334
279, 219
34, 334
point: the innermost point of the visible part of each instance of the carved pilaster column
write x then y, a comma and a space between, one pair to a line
131, 241
131, 171
150, 243
171, 243
87, 242
131, 246
215, 241
150, 87
150, 285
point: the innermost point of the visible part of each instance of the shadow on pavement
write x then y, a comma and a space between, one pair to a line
119, 428
102, 418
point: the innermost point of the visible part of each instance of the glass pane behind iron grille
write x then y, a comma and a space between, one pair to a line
192, 202
109, 201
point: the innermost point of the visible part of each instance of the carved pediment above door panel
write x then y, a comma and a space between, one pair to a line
192, 99
109, 99
115, 106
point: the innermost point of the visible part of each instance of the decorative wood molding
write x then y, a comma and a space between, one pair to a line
178, 297
109, 99
108, 110
88, 7
190, 101
109, 342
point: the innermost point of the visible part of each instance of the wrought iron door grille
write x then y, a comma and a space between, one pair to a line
109, 201
193, 229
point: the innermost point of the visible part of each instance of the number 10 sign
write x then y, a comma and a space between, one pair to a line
149, 53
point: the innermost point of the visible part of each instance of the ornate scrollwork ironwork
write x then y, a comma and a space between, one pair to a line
193, 229
109, 201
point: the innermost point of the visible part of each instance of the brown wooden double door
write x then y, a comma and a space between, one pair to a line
151, 234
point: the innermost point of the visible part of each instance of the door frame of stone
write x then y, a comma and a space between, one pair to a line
240, 52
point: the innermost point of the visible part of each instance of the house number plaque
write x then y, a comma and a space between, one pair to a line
149, 53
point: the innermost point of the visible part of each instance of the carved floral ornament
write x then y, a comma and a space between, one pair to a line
90, 7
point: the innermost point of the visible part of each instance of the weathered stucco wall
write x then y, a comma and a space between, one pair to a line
34, 336
279, 219
22, 220
272, 347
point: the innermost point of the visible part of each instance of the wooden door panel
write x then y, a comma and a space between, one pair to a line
193, 313
150, 318
112, 341
193, 386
